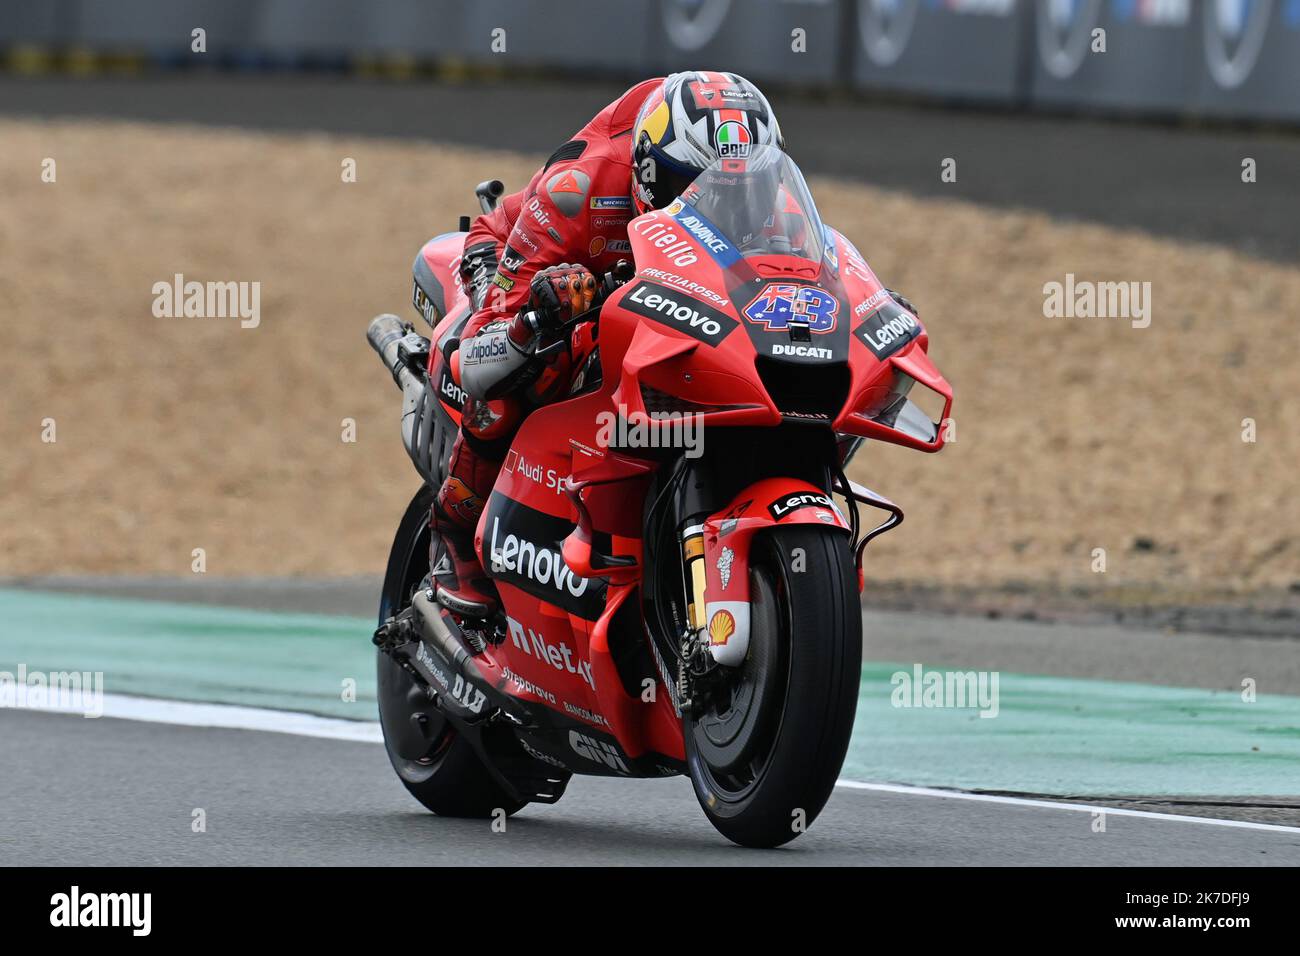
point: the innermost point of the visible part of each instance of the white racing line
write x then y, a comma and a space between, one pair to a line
1057, 805
235, 717
223, 716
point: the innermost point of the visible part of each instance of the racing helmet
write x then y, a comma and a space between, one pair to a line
692, 120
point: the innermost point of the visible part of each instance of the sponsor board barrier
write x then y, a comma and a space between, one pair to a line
228, 26
573, 34
1227, 58
1248, 59
791, 41
1146, 65
965, 49
341, 28
1217, 58
34, 23
534, 34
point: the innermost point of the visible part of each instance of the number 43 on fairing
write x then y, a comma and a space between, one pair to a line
781, 302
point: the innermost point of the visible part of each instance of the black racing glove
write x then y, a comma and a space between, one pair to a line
904, 302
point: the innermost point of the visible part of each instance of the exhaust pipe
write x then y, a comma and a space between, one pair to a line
386, 336
437, 633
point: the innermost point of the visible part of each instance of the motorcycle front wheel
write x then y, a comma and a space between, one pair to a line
766, 750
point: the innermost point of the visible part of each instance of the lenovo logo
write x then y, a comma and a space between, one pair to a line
796, 500
679, 311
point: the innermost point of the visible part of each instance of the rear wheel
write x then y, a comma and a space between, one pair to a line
439, 767
765, 752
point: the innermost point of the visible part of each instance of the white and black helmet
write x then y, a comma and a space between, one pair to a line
690, 122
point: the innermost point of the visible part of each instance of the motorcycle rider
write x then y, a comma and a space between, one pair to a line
530, 266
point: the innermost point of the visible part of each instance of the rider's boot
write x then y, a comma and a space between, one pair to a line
460, 585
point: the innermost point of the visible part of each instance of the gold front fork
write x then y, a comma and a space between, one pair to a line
693, 560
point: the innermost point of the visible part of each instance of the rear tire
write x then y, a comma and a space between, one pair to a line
805, 623
437, 766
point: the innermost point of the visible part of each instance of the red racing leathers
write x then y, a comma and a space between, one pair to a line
576, 210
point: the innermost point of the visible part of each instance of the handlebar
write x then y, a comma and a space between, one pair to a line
612, 280
488, 192
610, 283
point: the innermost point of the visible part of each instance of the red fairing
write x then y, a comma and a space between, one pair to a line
561, 620
442, 256
728, 534
692, 331
873, 380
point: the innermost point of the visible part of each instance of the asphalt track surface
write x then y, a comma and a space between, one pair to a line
1173, 181
98, 792
112, 791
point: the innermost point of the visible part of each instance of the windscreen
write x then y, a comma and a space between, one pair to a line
759, 202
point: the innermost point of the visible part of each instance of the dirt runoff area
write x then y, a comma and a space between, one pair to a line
173, 434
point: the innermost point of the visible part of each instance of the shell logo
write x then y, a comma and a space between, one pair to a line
721, 626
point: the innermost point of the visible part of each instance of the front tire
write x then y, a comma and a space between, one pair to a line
765, 780
436, 765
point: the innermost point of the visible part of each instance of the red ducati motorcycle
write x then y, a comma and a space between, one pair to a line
679, 585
